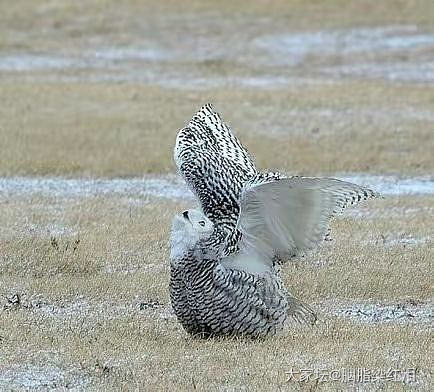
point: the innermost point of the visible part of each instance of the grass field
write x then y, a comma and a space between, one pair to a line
98, 89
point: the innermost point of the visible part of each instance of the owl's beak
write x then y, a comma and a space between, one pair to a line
185, 215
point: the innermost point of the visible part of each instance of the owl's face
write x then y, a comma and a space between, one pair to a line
187, 229
198, 222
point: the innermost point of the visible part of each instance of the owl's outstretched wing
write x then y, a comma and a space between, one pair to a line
214, 164
290, 216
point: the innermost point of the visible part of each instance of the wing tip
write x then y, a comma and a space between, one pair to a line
206, 110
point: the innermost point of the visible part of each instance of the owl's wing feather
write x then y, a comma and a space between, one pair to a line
290, 216
208, 130
214, 164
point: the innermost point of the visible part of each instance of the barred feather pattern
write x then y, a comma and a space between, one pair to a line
211, 300
217, 167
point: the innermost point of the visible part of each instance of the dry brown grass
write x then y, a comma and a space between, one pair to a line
73, 127
84, 281
61, 24
113, 130
96, 312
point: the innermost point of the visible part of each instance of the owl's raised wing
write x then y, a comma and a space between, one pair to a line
214, 164
287, 217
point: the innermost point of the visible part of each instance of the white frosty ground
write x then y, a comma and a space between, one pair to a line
379, 313
32, 377
163, 186
171, 187
396, 53
56, 191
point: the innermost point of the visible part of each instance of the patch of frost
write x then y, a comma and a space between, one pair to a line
172, 187
30, 377
294, 47
392, 185
374, 313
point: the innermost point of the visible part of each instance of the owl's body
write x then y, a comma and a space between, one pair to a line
221, 296
212, 300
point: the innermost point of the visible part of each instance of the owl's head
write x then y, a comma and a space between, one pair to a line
187, 229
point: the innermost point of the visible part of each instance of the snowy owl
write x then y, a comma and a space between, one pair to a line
226, 257
243, 294
216, 167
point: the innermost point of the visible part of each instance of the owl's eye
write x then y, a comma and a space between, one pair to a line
202, 223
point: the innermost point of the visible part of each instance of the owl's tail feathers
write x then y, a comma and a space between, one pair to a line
301, 312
